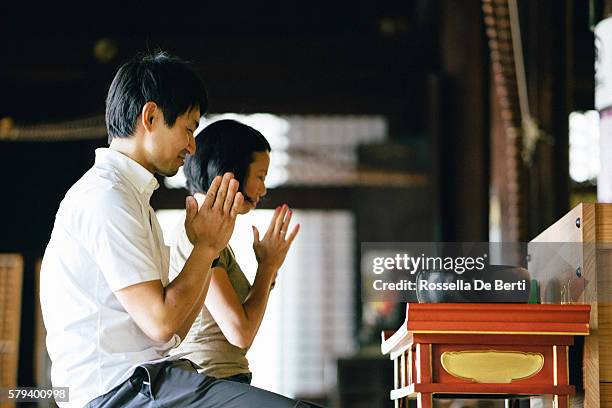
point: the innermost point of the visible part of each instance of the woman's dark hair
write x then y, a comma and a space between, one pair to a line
160, 77
222, 146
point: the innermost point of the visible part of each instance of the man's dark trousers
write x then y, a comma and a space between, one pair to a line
178, 384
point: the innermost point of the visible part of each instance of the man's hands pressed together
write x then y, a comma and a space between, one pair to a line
211, 225
161, 312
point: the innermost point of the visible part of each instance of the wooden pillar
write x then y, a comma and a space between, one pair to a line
464, 133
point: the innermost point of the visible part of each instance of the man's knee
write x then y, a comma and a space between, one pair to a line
244, 395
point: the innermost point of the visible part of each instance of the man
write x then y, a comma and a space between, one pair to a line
110, 313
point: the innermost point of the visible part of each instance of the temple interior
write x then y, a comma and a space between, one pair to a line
422, 121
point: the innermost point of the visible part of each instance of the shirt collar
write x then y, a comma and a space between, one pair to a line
141, 178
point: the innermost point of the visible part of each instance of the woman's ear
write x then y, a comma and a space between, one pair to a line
149, 115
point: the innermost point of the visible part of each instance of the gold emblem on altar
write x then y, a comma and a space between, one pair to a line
492, 366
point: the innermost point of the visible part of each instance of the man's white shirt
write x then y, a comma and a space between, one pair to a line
105, 238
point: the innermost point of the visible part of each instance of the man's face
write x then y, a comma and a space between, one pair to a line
167, 146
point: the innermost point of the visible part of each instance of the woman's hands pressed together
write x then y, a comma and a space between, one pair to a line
272, 249
240, 320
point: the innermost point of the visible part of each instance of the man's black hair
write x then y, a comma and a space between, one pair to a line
222, 146
161, 78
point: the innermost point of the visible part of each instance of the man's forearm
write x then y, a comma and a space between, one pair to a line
185, 295
197, 308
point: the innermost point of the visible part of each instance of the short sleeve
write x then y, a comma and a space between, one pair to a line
216, 262
119, 241
224, 260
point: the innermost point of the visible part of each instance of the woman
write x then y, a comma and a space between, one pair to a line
233, 310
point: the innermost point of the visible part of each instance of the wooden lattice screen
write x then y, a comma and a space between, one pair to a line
498, 29
11, 278
41, 361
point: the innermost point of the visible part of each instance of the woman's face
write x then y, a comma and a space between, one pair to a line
254, 185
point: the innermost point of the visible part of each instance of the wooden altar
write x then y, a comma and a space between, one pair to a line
479, 349
572, 262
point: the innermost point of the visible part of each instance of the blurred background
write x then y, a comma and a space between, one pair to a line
421, 120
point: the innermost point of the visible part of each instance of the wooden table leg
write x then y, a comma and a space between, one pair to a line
561, 375
561, 401
424, 400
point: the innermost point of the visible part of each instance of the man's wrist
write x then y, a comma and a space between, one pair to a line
205, 252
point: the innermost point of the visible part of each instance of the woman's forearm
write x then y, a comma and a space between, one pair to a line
257, 300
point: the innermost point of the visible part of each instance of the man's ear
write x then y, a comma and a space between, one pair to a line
149, 115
